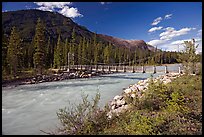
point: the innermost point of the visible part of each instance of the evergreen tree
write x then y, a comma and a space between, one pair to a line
58, 54
120, 56
40, 47
94, 50
107, 55
48, 53
88, 53
83, 54
56, 58
60, 49
80, 52
96, 54
66, 50
189, 56
135, 56
31, 50
4, 53
73, 49
13, 52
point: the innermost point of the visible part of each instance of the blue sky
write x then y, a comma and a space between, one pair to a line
161, 24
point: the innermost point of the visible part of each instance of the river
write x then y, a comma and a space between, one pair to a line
27, 109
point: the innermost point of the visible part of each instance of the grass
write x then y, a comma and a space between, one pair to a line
171, 109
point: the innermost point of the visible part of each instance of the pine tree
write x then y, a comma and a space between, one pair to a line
107, 55
94, 50
73, 47
13, 52
66, 50
4, 53
48, 53
60, 49
83, 54
189, 56
80, 52
56, 58
88, 53
58, 54
31, 50
96, 55
40, 47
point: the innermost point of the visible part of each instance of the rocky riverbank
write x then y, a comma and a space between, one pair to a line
54, 77
119, 103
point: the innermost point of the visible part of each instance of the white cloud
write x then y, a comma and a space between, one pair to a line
45, 9
168, 16
70, 12
61, 7
178, 45
156, 42
171, 33
52, 5
181, 42
102, 3
155, 29
157, 21
199, 32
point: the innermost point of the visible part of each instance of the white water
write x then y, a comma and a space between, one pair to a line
27, 109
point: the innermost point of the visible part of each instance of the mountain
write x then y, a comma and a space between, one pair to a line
132, 44
25, 22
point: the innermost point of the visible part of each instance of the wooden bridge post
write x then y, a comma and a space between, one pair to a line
91, 68
102, 68
133, 69
96, 68
116, 68
154, 69
124, 69
68, 68
179, 70
143, 70
109, 70
166, 70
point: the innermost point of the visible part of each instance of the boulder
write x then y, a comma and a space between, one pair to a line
120, 103
132, 95
127, 91
140, 88
117, 97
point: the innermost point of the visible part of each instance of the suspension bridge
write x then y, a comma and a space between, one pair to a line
112, 68
119, 67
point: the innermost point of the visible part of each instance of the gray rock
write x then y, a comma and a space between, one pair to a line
120, 102
117, 97
127, 91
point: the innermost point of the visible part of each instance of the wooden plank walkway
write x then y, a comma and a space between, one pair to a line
133, 69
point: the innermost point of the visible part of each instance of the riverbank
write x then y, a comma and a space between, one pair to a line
53, 77
120, 103
169, 104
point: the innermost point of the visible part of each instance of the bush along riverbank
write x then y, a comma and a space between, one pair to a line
167, 105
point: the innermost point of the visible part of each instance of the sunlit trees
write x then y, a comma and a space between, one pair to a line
14, 52
40, 47
189, 56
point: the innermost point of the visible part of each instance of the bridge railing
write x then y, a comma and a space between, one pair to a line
122, 68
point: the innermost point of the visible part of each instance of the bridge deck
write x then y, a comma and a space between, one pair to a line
133, 69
